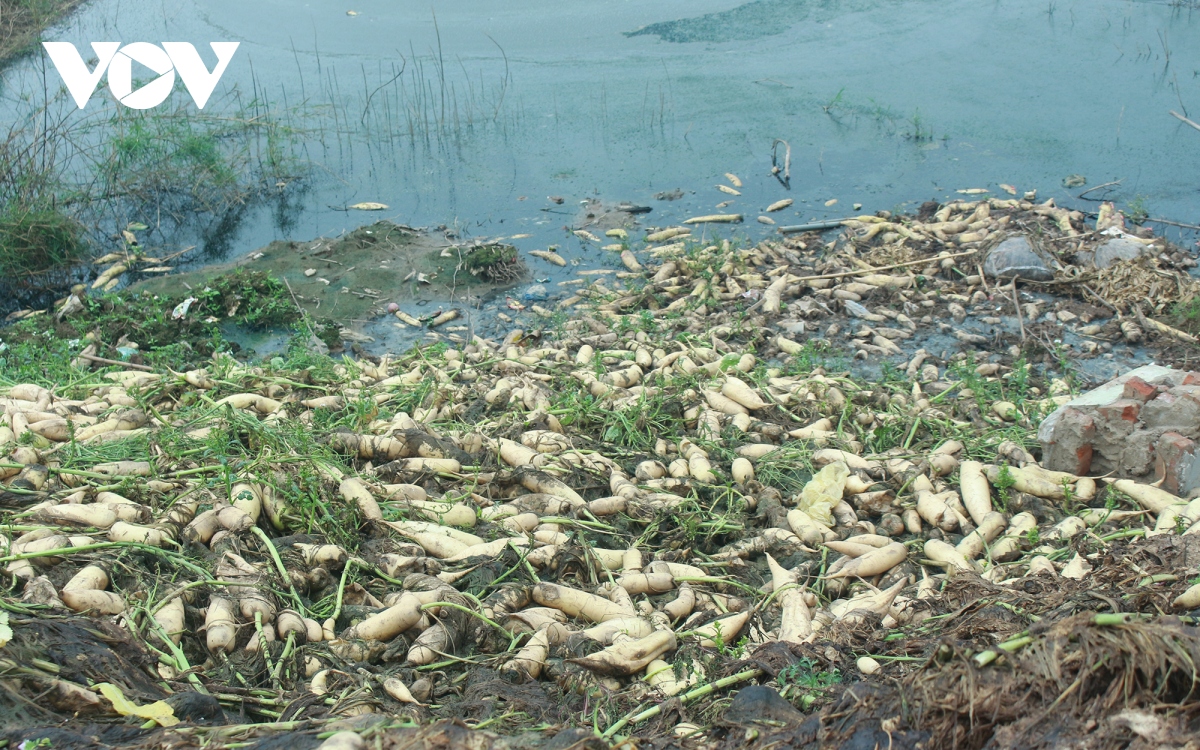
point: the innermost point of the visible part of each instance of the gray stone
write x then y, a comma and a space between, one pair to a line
1118, 248
316, 346
1112, 390
761, 703
1015, 257
856, 310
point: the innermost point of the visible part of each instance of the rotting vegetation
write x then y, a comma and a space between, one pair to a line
623, 525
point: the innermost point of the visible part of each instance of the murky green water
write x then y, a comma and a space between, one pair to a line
887, 104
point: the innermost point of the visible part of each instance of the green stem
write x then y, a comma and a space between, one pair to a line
687, 697
107, 545
181, 660
883, 657
1157, 578
786, 587
984, 658
279, 726
287, 651
192, 472
262, 535
262, 641
714, 579
1123, 534
577, 522
88, 474
337, 607
180, 591
521, 552
912, 433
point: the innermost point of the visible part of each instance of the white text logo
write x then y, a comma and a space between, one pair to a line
165, 60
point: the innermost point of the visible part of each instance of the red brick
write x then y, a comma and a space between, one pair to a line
1083, 459
1172, 457
1125, 409
1192, 378
1071, 447
1138, 389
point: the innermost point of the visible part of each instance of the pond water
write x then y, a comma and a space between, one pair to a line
474, 116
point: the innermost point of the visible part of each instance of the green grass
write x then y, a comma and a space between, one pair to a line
805, 674
815, 353
285, 455
1186, 315
636, 428
62, 200
1138, 209
184, 162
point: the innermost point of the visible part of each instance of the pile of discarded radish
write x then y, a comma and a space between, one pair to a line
307, 544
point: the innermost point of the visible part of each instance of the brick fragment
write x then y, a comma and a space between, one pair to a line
1074, 432
1123, 409
1139, 390
1159, 411
1175, 462
1178, 410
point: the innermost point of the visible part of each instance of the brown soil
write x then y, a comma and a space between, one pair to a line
1128, 684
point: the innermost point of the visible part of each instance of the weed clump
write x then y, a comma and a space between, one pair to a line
1187, 314
495, 262
254, 299
36, 240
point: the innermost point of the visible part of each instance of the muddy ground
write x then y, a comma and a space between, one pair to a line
353, 278
1124, 684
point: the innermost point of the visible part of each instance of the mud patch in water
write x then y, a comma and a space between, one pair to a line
750, 21
352, 279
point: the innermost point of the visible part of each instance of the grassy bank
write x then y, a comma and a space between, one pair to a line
22, 22
71, 181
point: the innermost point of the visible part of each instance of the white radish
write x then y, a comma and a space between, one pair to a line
91, 600
578, 603
975, 493
170, 617
939, 551
873, 563
1152, 499
355, 492
739, 391
725, 629
629, 656
385, 625
219, 625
